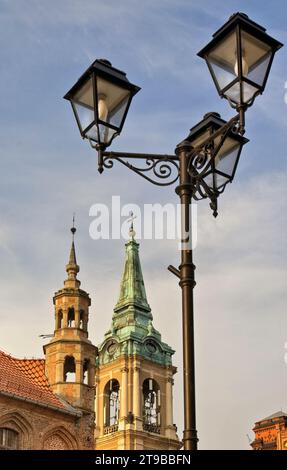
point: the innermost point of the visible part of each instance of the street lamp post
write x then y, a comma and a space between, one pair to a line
239, 58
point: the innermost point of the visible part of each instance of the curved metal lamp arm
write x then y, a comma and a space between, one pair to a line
163, 169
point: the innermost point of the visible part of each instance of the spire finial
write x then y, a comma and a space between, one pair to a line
132, 232
72, 268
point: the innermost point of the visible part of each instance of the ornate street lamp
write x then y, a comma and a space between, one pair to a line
100, 100
213, 161
239, 58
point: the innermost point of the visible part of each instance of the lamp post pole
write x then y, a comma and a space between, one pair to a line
187, 283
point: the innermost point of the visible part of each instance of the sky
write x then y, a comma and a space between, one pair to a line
48, 172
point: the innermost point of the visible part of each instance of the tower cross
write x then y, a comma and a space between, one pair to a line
131, 219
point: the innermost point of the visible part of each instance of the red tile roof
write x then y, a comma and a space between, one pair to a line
25, 378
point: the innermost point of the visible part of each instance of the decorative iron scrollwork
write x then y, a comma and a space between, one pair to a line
201, 162
164, 170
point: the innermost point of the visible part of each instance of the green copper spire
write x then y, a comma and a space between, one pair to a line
132, 289
132, 331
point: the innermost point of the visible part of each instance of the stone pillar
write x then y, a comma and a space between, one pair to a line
102, 411
124, 397
136, 392
91, 375
65, 318
97, 407
137, 398
79, 371
169, 414
170, 429
77, 318
85, 322
57, 319
59, 370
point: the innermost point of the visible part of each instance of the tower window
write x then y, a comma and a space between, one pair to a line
151, 408
59, 320
112, 404
81, 325
9, 439
69, 369
86, 372
71, 317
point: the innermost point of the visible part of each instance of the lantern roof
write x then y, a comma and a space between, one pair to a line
104, 69
214, 120
248, 25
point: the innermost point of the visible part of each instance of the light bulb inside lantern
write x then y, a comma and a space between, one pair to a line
245, 68
102, 108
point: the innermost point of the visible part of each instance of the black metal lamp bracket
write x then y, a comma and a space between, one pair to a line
164, 169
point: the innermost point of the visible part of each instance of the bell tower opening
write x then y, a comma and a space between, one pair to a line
59, 319
81, 324
71, 317
111, 404
151, 406
69, 369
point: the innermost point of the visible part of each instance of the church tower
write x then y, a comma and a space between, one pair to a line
134, 376
70, 355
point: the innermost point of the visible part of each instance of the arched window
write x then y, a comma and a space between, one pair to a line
86, 372
59, 320
151, 406
111, 405
69, 369
81, 325
9, 439
71, 317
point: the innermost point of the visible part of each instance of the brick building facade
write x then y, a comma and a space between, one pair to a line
271, 432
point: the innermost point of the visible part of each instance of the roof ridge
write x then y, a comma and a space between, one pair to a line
277, 414
6, 353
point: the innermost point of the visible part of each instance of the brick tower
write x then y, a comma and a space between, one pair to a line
70, 355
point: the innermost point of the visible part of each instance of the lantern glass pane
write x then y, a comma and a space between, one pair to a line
226, 158
112, 102
248, 92
256, 56
83, 104
85, 115
223, 61
104, 135
117, 114
216, 181
225, 162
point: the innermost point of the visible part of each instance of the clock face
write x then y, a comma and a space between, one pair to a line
112, 347
151, 347
285, 444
